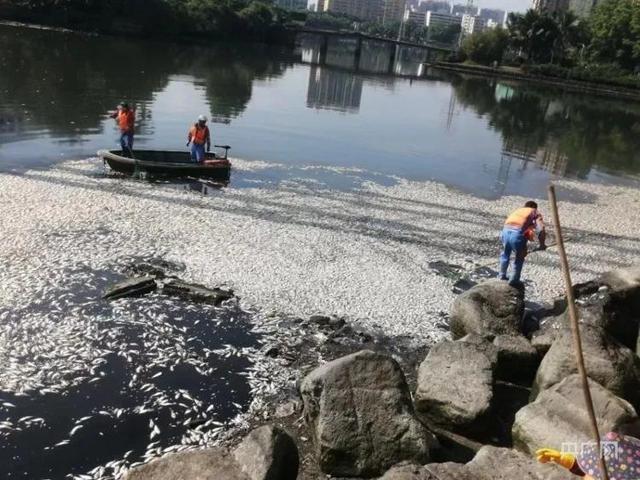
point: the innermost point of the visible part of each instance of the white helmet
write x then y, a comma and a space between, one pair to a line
202, 118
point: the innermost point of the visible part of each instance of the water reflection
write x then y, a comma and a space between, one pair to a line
287, 107
335, 90
564, 134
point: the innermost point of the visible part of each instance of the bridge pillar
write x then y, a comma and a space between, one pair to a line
358, 53
324, 46
392, 57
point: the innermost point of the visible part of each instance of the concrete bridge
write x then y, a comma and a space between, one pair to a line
432, 50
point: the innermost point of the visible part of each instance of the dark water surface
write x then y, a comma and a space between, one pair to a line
163, 375
489, 137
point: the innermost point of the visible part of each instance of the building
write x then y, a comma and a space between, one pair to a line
316, 5
413, 16
292, 4
496, 15
385, 11
445, 19
582, 8
459, 9
471, 24
437, 6
392, 11
551, 6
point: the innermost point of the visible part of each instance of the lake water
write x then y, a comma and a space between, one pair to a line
488, 137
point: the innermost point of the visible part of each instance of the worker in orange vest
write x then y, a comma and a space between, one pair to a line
125, 118
521, 226
198, 137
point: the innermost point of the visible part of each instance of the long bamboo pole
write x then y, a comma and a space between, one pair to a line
577, 342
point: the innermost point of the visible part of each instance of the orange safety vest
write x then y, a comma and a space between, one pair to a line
126, 120
524, 219
199, 135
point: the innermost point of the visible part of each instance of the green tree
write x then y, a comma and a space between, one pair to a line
533, 35
615, 28
444, 33
486, 47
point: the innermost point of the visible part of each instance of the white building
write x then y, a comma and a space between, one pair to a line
472, 24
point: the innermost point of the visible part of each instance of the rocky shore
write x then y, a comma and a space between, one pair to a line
481, 404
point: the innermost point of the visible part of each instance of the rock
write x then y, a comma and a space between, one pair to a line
209, 464
494, 463
488, 309
517, 359
607, 362
268, 453
132, 287
287, 409
455, 385
320, 320
559, 416
360, 410
486, 347
196, 293
490, 463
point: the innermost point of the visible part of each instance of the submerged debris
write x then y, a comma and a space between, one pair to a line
132, 287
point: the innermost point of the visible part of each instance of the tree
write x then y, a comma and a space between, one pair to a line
444, 33
615, 28
486, 47
534, 34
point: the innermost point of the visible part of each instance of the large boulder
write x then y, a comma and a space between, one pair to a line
490, 463
209, 464
488, 309
558, 416
607, 362
517, 358
268, 453
455, 385
360, 409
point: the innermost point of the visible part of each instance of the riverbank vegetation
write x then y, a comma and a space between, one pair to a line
237, 19
602, 48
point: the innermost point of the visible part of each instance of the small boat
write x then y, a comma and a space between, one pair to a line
158, 163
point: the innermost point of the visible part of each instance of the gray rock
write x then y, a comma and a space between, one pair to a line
488, 309
210, 464
132, 287
196, 293
558, 415
494, 463
607, 362
490, 463
360, 410
268, 453
517, 358
455, 385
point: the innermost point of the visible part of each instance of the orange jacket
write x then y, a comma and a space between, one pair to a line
126, 120
525, 219
198, 135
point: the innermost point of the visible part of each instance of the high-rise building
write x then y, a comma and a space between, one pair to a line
583, 8
460, 9
494, 14
292, 4
413, 16
392, 11
551, 6
442, 19
437, 6
385, 11
472, 24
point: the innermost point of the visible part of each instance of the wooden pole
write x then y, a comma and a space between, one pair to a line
577, 342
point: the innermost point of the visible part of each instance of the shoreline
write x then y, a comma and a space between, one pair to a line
599, 89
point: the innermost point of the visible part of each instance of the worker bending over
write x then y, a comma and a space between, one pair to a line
199, 136
521, 226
